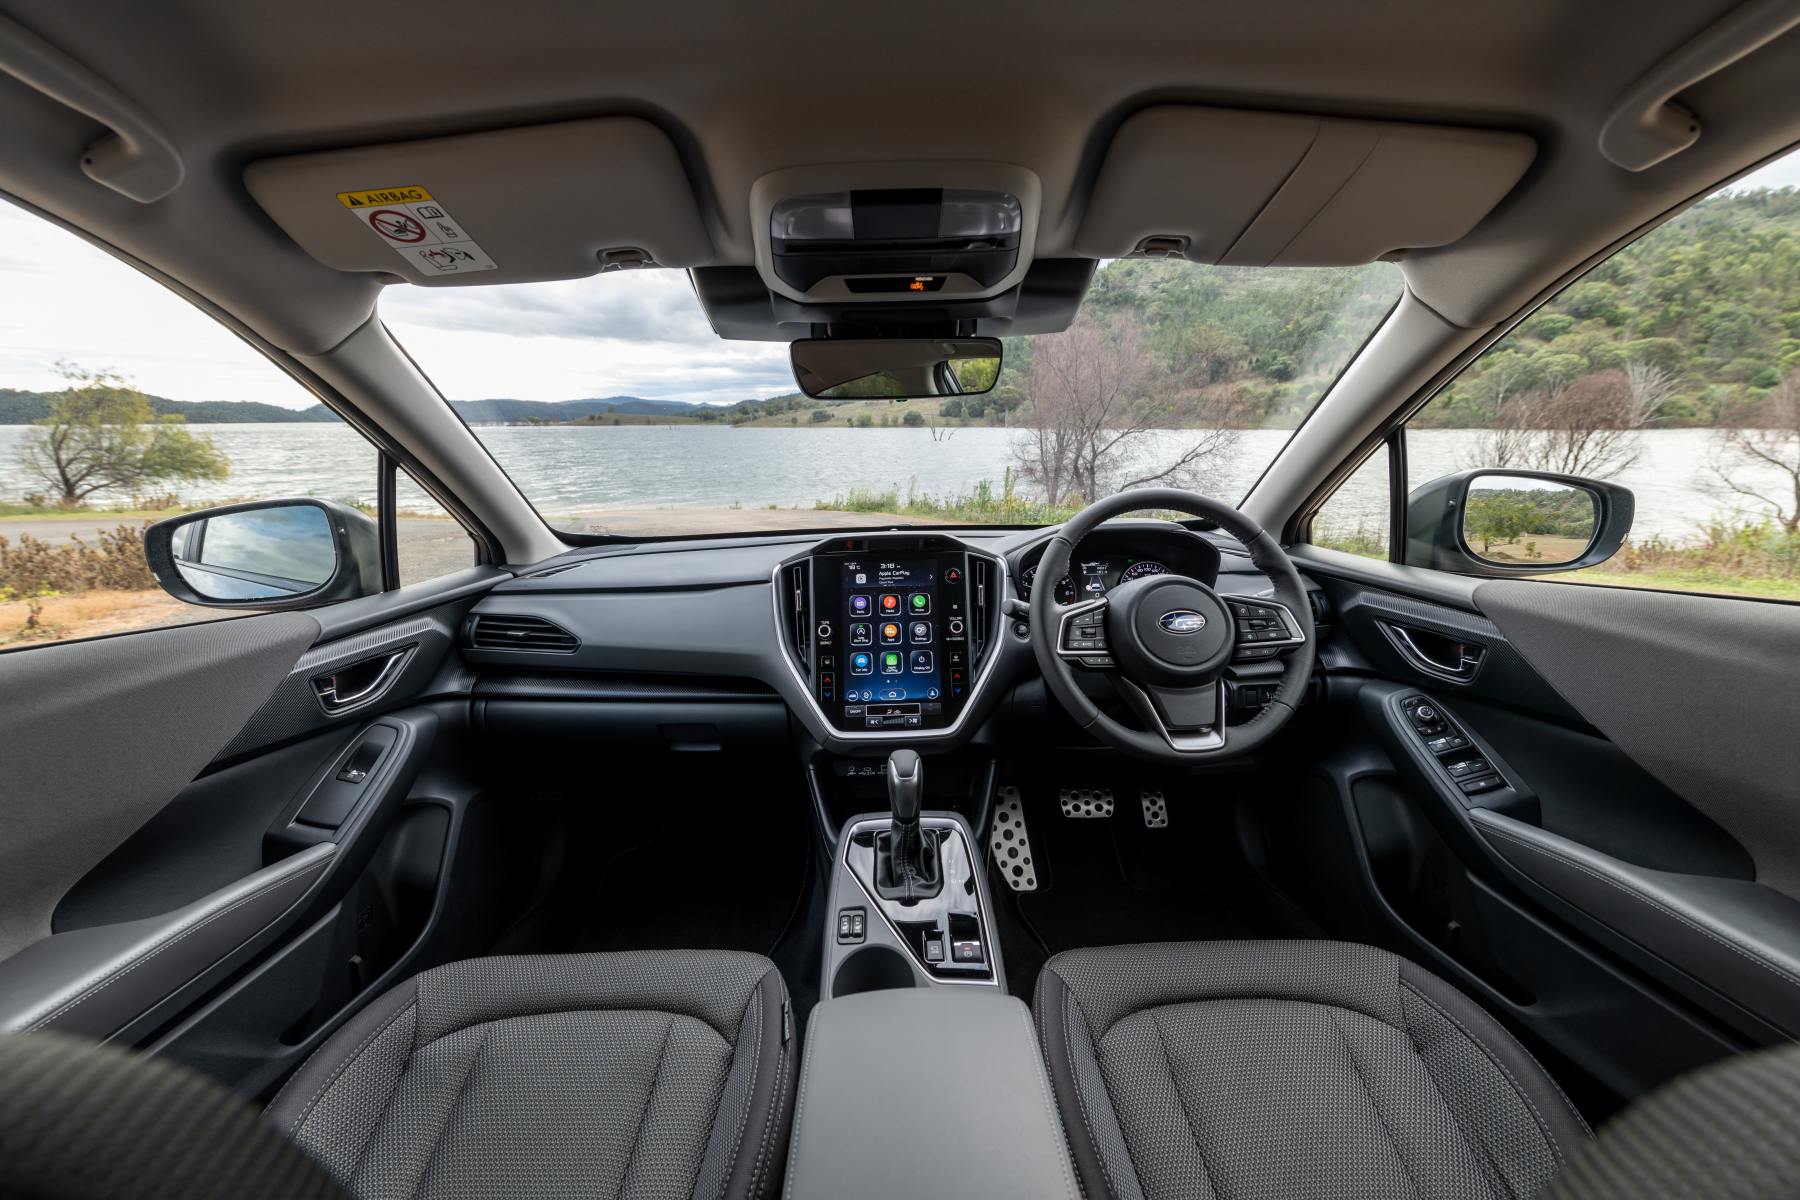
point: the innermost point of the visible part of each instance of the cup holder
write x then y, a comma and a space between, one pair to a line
873, 969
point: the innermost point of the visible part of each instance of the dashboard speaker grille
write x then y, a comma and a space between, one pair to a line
500, 631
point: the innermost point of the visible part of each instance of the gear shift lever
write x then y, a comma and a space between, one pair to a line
906, 857
906, 788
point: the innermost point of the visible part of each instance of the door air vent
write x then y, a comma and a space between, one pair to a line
503, 631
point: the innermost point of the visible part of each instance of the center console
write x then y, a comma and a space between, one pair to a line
890, 632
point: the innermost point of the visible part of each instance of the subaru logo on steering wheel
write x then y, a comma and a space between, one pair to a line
1182, 620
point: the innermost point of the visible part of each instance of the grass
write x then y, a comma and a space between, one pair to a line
984, 504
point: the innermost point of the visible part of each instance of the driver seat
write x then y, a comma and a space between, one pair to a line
1290, 1069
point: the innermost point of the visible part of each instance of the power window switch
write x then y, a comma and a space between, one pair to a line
1485, 783
852, 925
352, 775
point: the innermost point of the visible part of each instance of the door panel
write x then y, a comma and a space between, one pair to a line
1609, 893
203, 811
101, 734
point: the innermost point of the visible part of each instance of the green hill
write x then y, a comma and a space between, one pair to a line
22, 408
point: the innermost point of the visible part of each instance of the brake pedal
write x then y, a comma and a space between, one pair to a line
1010, 845
1086, 802
1156, 810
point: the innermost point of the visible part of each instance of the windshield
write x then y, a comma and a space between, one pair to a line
617, 410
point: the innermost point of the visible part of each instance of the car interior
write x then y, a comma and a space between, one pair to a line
1155, 850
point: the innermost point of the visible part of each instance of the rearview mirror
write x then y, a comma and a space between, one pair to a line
1500, 523
895, 368
265, 555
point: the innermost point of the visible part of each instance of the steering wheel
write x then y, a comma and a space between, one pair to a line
1166, 640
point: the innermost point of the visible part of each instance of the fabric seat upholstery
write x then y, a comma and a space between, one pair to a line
665, 1074
1290, 1069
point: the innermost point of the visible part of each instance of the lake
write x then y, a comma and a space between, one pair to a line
567, 470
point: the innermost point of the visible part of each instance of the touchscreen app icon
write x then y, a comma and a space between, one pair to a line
921, 632
862, 664
890, 662
890, 633
922, 663
859, 606
861, 633
919, 603
890, 604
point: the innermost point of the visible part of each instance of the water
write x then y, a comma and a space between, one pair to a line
566, 469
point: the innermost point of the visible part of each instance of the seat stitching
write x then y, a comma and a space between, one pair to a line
462, 1089
737, 1144
1087, 1123
307, 1108
137, 961
799, 1111
783, 1062
1483, 1153
1729, 943
1543, 1125
1162, 1043
1055, 1116
1380, 1117
637, 1137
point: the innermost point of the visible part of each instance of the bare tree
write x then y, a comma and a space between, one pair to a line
1093, 397
1587, 426
1652, 387
1759, 457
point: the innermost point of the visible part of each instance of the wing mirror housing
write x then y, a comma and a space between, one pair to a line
268, 554
1503, 523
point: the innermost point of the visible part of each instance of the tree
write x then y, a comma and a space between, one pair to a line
102, 435
1093, 397
1759, 458
1575, 426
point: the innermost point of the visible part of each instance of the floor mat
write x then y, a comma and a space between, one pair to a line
1112, 880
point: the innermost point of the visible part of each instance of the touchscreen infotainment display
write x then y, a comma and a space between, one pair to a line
891, 630
890, 641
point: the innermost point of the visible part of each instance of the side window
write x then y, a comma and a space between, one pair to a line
1671, 370
122, 404
428, 541
1356, 518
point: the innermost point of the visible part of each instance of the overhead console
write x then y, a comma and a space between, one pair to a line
1260, 189
890, 634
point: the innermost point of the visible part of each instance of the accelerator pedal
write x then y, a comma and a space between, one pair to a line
1086, 803
1156, 810
1009, 844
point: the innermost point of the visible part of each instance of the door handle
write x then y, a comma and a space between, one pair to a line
360, 683
1436, 654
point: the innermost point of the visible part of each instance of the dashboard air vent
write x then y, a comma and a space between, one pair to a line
986, 598
796, 602
503, 631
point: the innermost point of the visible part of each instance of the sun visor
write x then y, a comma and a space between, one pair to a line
509, 206
1275, 189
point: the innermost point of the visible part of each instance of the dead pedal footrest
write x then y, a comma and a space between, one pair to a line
1009, 844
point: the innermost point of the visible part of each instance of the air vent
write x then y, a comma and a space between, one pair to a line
985, 598
1321, 610
796, 602
502, 631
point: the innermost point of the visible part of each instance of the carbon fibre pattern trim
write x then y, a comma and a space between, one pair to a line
622, 688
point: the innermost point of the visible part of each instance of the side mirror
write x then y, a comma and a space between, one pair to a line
1504, 523
267, 554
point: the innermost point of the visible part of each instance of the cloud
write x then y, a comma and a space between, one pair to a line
631, 333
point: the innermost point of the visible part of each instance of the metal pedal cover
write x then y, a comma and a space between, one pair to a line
1086, 802
1156, 810
1010, 847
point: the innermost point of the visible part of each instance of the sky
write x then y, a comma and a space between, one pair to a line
630, 333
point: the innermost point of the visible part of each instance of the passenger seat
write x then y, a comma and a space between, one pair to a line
655, 1074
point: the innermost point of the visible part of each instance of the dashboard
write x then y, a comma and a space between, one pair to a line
719, 629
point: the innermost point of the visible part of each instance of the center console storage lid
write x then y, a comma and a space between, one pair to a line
919, 1092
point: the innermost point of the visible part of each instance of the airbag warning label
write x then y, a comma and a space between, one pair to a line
417, 227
